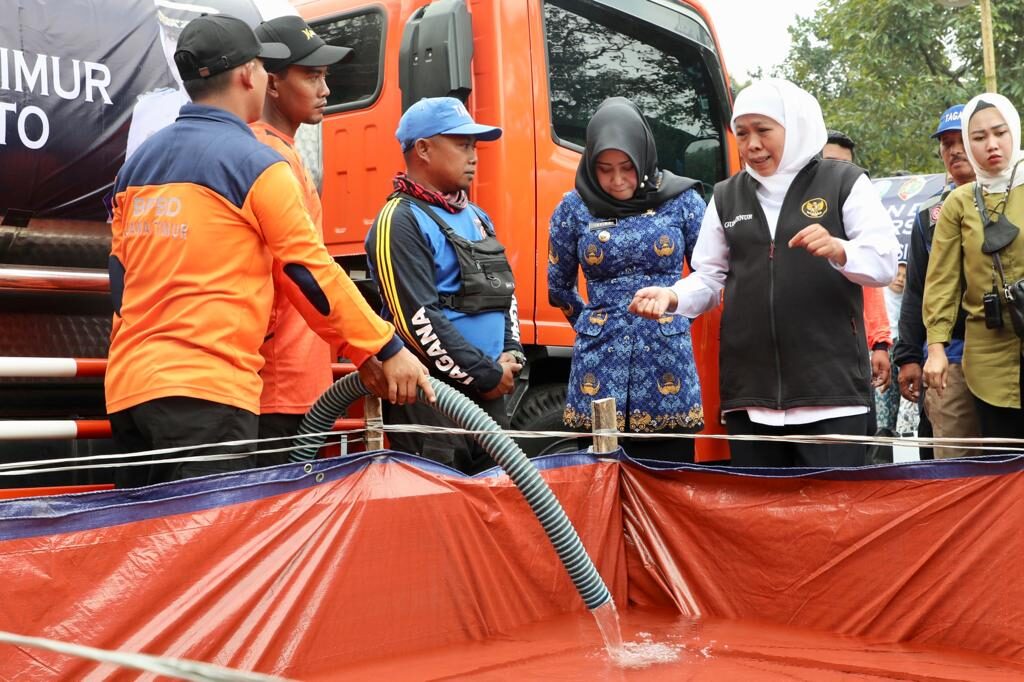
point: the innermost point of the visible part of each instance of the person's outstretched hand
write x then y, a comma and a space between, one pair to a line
653, 302
819, 242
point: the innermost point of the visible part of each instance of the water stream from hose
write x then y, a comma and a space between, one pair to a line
632, 655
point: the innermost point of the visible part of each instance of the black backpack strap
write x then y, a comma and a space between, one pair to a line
484, 220
445, 228
979, 201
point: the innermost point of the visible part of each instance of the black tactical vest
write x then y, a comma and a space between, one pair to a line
486, 279
792, 331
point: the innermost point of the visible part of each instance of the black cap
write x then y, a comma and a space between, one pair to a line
216, 43
307, 48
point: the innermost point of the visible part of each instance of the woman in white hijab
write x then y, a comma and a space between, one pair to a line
988, 261
791, 240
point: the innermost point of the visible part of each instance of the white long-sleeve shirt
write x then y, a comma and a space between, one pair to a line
871, 255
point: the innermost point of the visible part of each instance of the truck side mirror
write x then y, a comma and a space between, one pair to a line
702, 160
436, 53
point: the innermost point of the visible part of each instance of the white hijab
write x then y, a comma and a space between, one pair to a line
998, 182
798, 113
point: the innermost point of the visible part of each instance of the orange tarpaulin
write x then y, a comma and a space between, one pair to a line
308, 573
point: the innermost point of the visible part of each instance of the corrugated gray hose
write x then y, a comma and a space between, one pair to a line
464, 412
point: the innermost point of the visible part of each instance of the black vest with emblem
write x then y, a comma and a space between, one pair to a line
486, 282
792, 330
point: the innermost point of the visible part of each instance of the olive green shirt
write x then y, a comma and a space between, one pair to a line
992, 357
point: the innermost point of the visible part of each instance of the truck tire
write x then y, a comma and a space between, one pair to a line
541, 410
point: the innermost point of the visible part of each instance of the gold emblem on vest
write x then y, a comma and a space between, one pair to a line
668, 384
814, 208
594, 255
598, 317
664, 246
590, 384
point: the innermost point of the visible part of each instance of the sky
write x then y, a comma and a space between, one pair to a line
754, 33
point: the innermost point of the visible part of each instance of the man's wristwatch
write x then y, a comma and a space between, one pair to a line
519, 356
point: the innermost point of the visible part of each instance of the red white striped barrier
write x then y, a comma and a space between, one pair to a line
56, 429
40, 368
79, 429
71, 429
49, 368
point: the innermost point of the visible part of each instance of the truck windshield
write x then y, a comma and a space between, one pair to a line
596, 52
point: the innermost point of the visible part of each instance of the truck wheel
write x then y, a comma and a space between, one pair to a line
541, 410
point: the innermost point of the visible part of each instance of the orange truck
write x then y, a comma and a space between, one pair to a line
538, 69
71, 101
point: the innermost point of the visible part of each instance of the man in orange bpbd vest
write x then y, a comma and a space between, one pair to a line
202, 210
297, 369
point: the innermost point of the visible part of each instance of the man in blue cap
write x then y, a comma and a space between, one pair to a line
444, 278
952, 414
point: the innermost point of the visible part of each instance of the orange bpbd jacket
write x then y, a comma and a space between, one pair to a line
201, 211
297, 366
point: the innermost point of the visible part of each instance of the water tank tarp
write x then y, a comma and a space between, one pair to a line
299, 573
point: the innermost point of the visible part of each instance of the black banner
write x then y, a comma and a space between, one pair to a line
82, 83
71, 74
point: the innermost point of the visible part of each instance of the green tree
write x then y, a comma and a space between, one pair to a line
884, 70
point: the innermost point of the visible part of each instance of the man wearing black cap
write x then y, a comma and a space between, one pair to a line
298, 362
200, 212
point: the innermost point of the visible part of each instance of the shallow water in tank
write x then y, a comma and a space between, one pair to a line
661, 645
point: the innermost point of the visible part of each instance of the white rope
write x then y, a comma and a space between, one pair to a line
182, 669
151, 457
170, 451
1001, 444
41, 466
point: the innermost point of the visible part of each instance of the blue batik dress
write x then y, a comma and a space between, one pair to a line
646, 365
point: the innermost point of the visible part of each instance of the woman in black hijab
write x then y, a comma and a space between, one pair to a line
628, 225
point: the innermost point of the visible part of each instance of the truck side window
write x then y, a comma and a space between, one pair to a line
595, 53
357, 81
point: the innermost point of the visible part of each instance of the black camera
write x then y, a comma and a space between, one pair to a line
993, 310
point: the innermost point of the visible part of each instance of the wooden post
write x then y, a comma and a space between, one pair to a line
603, 417
374, 423
988, 51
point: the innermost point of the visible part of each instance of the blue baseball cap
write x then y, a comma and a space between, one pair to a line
950, 120
440, 116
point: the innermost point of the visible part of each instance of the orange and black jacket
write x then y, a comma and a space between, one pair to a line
201, 211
